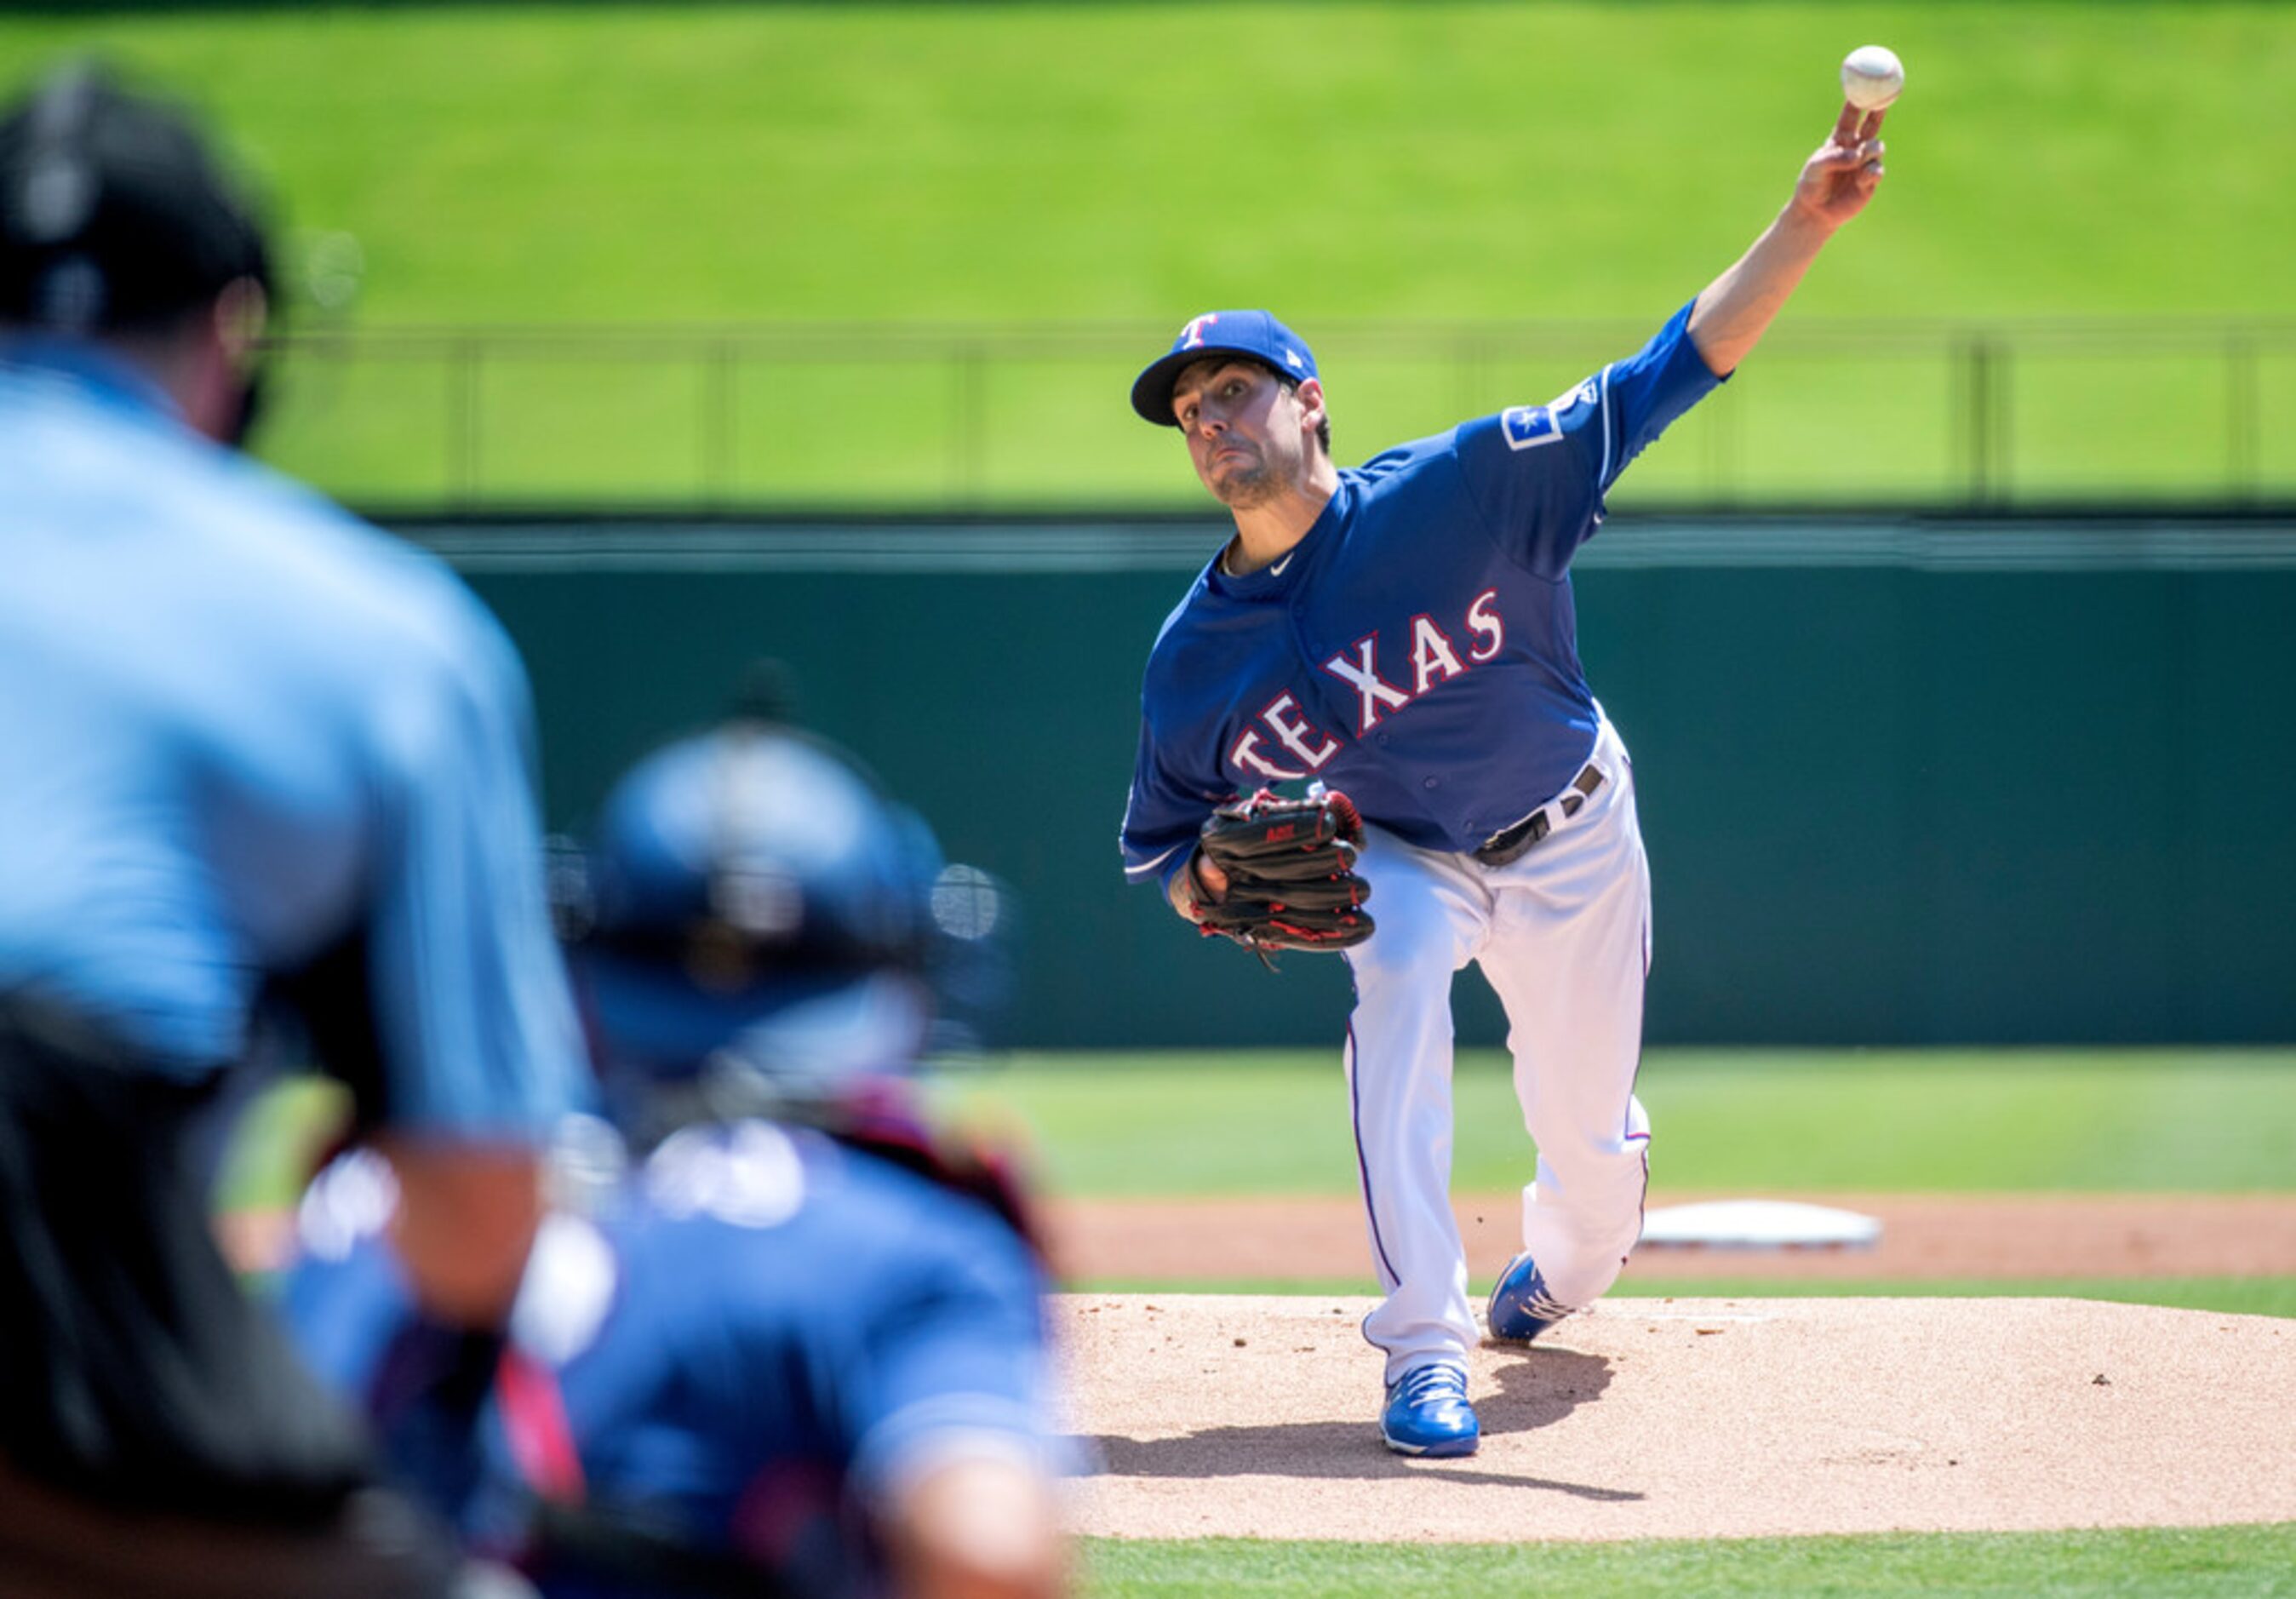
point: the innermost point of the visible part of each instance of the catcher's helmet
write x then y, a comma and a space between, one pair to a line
752, 927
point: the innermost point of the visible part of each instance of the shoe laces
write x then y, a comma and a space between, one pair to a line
1430, 1381
1533, 1299
1543, 1305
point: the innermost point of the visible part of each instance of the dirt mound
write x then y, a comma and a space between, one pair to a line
1230, 1416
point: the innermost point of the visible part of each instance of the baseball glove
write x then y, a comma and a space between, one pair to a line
1291, 873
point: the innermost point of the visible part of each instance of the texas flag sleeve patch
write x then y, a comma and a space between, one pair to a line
1525, 427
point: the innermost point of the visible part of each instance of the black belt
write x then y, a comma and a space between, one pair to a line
1511, 843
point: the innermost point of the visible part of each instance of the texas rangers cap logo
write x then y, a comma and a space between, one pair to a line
1256, 334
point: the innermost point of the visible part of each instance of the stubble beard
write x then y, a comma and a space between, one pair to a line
1246, 490
1250, 485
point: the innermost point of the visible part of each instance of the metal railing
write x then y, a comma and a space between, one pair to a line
1963, 415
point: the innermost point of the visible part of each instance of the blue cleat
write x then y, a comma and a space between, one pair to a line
1520, 1307
1427, 1414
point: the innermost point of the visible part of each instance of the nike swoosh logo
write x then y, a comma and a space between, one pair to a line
1277, 570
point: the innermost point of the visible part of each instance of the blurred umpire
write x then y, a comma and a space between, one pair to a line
797, 1345
261, 768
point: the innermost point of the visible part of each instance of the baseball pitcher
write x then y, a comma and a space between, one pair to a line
1399, 641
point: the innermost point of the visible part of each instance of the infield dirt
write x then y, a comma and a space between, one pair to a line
1216, 1416
1923, 1236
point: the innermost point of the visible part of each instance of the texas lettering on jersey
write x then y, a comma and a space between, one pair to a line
1433, 656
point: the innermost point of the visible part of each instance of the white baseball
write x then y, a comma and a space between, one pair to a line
1872, 76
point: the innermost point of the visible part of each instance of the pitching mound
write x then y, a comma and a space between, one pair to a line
1232, 1417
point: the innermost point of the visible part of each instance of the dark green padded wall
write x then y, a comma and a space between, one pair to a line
1902, 782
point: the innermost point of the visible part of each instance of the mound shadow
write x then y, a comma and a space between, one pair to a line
1536, 1390
1539, 1385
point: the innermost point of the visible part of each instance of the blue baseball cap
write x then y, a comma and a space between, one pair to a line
1253, 333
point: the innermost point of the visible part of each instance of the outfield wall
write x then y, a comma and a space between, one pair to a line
1903, 781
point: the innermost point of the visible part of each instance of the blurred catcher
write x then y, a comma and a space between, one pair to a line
261, 764
798, 1344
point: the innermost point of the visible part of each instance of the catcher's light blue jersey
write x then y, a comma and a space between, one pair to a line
1418, 649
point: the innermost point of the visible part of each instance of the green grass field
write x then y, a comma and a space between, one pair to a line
1876, 1121
1879, 1121
2237, 1296
683, 163
2217, 1562
921, 166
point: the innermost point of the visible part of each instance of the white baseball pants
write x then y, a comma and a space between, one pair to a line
1563, 936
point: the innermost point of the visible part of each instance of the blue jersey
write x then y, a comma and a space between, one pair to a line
767, 1333
245, 739
1418, 649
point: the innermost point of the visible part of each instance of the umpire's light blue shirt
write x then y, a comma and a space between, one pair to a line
240, 730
